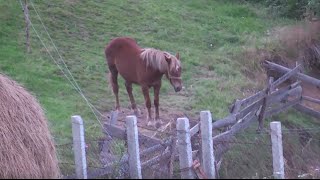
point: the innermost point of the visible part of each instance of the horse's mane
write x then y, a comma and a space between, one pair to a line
155, 59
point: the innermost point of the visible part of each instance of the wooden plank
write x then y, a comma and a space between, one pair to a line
253, 107
227, 121
264, 105
115, 132
300, 76
244, 122
256, 97
155, 148
155, 160
287, 88
240, 125
120, 133
162, 157
307, 110
311, 99
279, 97
286, 76
235, 106
195, 129
282, 108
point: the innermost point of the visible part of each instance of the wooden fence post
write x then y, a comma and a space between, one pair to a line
184, 146
277, 150
79, 147
207, 144
133, 148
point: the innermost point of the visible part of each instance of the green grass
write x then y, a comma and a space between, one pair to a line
204, 32
209, 34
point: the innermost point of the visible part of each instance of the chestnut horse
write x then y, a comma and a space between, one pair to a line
144, 67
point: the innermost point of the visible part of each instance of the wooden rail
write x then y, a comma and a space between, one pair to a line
300, 76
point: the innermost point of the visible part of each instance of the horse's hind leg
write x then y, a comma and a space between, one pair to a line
145, 91
133, 103
114, 82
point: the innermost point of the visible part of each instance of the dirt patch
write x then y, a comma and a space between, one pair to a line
167, 115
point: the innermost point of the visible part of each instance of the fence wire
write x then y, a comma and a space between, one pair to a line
108, 158
249, 156
301, 149
100, 153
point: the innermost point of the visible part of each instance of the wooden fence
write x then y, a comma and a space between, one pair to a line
203, 161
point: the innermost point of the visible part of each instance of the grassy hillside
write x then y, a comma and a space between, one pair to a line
209, 34
206, 33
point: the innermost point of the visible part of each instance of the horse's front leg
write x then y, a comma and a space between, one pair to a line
133, 102
156, 89
145, 91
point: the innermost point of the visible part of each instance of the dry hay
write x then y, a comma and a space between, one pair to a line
27, 149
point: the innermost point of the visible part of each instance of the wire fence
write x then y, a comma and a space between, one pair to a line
100, 153
301, 152
250, 155
108, 158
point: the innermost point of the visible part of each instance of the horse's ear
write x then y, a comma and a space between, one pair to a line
178, 55
167, 57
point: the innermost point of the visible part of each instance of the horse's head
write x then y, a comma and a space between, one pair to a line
174, 71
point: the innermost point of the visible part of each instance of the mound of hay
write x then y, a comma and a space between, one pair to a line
27, 149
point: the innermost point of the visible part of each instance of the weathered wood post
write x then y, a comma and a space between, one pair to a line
264, 105
133, 147
184, 147
207, 144
277, 150
79, 147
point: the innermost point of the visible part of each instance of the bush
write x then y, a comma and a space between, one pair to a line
296, 9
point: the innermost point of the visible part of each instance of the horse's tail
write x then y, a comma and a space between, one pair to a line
108, 55
113, 71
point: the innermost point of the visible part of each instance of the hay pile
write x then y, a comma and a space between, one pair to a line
27, 149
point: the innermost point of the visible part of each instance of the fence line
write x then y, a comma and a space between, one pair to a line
242, 114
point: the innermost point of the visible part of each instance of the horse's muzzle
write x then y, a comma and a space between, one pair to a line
177, 89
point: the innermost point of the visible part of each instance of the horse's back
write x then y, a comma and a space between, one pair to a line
123, 54
121, 48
